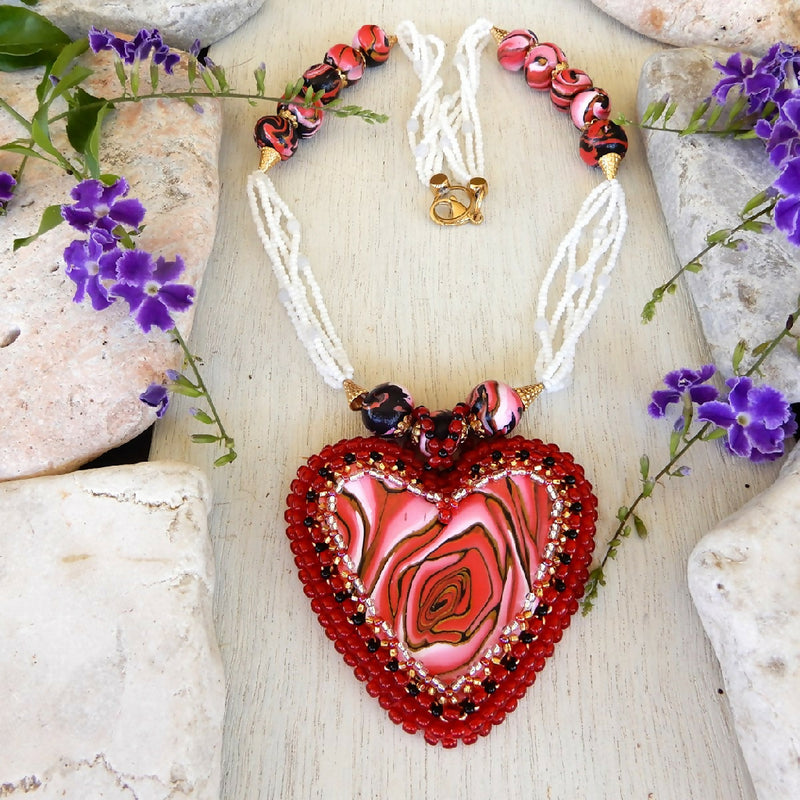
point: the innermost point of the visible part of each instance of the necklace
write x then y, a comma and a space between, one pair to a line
443, 557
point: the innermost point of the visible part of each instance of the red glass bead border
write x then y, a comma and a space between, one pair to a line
483, 700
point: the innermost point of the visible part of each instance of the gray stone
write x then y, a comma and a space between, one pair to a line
71, 376
734, 24
180, 21
703, 183
112, 678
744, 577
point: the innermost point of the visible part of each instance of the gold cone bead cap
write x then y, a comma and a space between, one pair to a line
529, 393
609, 163
354, 394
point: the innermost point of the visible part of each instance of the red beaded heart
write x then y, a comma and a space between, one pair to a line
445, 591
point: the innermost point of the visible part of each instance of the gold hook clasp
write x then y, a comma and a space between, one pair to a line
455, 205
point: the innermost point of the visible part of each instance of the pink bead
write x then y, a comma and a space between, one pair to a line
373, 42
309, 117
514, 47
540, 63
566, 84
588, 106
349, 61
496, 406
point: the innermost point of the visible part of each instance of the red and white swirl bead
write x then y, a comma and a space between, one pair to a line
496, 408
374, 43
349, 61
514, 47
540, 61
588, 106
566, 84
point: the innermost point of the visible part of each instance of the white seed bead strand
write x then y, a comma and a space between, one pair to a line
584, 286
280, 236
444, 121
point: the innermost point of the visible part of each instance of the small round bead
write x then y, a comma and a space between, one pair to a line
324, 78
588, 106
540, 62
496, 406
566, 84
386, 408
373, 43
278, 133
349, 61
600, 138
308, 117
514, 47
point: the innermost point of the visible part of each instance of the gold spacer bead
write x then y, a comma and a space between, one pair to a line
354, 393
529, 393
498, 34
609, 163
269, 158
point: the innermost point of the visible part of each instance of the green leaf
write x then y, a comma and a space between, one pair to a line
718, 236
694, 120
76, 75
717, 433
84, 122
644, 467
225, 459
653, 111
757, 351
260, 74
670, 111
674, 443
694, 266
754, 202
647, 487
738, 355
716, 111
204, 438
201, 416
622, 513
51, 218
27, 39
67, 54
188, 391
21, 149
648, 311
672, 288
641, 528
40, 133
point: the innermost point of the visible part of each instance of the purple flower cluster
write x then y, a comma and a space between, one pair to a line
103, 268
770, 86
7, 184
145, 43
757, 420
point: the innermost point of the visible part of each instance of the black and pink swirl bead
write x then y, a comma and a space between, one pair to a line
545, 68
342, 65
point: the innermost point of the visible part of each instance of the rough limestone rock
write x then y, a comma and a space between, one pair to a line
703, 183
71, 376
180, 21
744, 577
112, 679
734, 24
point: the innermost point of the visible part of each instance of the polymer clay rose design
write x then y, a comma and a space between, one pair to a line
446, 590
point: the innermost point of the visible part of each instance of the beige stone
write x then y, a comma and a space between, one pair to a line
734, 24
744, 577
70, 376
112, 679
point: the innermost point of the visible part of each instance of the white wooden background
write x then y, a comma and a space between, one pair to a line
630, 704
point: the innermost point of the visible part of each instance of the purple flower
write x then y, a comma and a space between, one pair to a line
757, 418
680, 382
139, 48
7, 184
101, 206
781, 134
156, 396
787, 209
150, 290
761, 82
90, 262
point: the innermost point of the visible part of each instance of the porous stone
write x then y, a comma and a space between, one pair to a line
735, 24
703, 183
744, 577
112, 679
180, 21
71, 376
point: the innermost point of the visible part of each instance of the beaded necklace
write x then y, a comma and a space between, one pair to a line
443, 557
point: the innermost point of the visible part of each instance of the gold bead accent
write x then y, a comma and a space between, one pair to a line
269, 158
354, 393
529, 393
499, 34
609, 163
286, 114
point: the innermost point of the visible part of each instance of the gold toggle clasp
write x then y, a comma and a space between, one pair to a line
455, 205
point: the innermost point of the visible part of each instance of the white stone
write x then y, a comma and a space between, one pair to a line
703, 183
180, 21
111, 677
71, 376
735, 24
744, 577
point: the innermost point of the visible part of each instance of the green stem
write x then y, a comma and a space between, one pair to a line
776, 341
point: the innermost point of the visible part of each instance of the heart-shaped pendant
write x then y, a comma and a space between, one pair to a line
445, 591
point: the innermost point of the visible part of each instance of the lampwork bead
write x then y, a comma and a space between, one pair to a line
308, 117
496, 407
373, 43
324, 78
588, 106
600, 138
385, 410
278, 133
566, 84
514, 47
349, 61
540, 62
